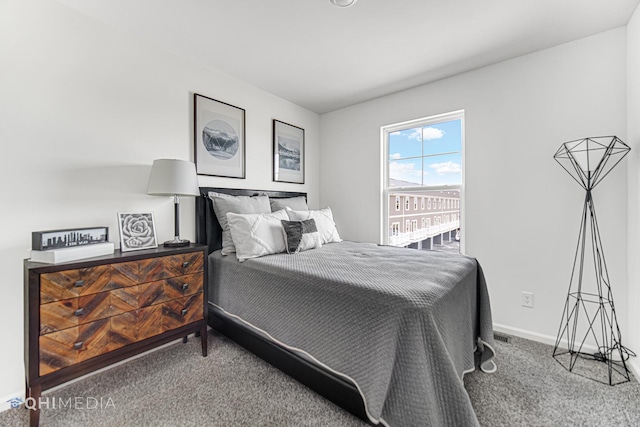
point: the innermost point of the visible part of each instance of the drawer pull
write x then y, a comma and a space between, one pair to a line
184, 311
185, 264
77, 346
79, 284
79, 312
185, 286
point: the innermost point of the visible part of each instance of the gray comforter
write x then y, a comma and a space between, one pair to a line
402, 324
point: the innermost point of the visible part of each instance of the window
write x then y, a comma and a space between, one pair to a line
407, 226
397, 203
424, 159
395, 228
414, 225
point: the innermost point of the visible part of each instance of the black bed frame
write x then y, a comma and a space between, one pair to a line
341, 392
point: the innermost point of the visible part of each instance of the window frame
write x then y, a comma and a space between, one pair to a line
385, 131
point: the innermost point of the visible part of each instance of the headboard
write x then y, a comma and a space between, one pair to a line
208, 230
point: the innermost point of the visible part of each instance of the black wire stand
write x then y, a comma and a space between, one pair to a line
589, 341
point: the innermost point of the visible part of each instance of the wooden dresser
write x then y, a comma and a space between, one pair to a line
84, 315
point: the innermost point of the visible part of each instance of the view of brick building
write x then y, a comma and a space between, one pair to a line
421, 219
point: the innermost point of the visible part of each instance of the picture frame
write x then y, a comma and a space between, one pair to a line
68, 238
218, 137
137, 231
288, 153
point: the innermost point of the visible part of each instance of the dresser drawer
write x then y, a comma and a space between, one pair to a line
134, 297
182, 286
64, 314
170, 266
84, 281
178, 312
134, 326
72, 345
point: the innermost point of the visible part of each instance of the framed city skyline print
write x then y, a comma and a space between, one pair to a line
288, 153
219, 138
137, 231
56, 239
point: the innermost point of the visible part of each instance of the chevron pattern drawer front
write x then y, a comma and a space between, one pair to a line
73, 345
178, 312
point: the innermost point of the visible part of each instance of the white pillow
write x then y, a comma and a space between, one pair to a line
324, 223
225, 203
256, 235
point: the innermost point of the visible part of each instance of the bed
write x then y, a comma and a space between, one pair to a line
386, 333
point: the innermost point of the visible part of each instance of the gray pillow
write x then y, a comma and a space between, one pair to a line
300, 235
224, 203
296, 203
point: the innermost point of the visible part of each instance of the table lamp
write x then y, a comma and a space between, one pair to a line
173, 177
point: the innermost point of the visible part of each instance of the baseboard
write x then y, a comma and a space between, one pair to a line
523, 333
632, 363
5, 401
634, 366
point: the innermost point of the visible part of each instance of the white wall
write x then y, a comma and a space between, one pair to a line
633, 139
85, 109
522, 209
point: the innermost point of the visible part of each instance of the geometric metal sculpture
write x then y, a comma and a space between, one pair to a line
589, 336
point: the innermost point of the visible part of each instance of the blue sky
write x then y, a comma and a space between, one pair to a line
407, 148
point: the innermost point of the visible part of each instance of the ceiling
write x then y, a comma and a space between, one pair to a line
324, 58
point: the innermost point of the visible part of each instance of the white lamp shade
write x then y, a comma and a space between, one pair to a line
171, 177
343, 3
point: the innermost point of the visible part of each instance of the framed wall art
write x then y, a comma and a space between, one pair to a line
219, 130
288, 153
137, 231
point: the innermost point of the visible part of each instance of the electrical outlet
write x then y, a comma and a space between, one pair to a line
527, 299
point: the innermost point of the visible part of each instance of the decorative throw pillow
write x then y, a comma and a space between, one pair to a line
256, 235
301, 235
225, 203
324, 222
294, 203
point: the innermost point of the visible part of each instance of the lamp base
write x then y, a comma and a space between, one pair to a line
176, 243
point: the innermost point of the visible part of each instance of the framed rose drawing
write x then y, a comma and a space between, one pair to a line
137, 231
218, 137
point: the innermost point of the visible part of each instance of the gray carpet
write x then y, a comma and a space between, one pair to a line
231, 387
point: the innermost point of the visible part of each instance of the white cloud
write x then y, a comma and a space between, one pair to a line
415, 135
432, 133
446, 168
405, 172
395, 156
396, 133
